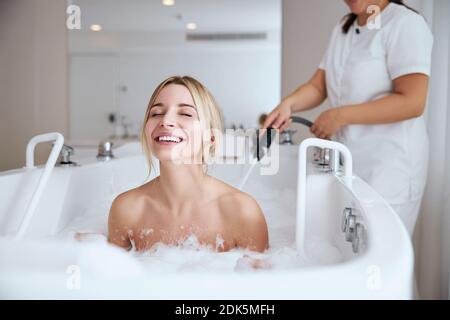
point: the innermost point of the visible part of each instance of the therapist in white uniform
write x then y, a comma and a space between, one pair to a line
376, 79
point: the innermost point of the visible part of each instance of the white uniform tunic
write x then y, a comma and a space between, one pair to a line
360, 66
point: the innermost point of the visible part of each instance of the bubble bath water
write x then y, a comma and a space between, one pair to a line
191, 256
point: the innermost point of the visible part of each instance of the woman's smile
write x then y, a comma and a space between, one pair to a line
168, 139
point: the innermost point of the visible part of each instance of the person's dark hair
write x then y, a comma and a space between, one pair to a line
351, 17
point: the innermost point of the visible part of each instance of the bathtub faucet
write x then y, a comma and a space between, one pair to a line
105, 152
324, 158
287, 136
65, 154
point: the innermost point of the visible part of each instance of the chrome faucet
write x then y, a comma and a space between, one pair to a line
287, 136
105, 151
65, 154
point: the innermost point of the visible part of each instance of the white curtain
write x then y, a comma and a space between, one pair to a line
432, 238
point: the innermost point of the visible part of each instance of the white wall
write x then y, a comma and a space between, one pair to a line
33, 93
245, 82
94, 82
243, 76
307, 27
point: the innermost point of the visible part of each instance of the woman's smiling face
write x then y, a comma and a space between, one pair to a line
173, 127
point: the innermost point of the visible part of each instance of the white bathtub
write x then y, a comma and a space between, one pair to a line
42, 267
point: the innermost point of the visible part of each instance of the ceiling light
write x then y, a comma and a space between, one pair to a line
168, 2
96, 27
191, 26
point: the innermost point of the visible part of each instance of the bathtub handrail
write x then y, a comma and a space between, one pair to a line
301, 188
50, 164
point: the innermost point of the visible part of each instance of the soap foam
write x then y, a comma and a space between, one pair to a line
191, 256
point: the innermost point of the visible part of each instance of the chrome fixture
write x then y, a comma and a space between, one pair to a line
353, 228
359, 236
322, 157
326, 159
65, 154
286, 136
105, 151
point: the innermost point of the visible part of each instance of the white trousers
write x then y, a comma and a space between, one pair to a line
408, 212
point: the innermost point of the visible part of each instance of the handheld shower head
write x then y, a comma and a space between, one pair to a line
262, 142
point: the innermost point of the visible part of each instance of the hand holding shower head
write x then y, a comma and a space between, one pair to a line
265, 137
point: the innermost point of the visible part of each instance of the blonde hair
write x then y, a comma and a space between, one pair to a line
209, 114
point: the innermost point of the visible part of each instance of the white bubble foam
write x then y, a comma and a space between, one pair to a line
190, 256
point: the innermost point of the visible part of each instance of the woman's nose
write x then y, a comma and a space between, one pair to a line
167, 121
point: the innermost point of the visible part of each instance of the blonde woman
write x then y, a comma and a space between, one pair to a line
181, 129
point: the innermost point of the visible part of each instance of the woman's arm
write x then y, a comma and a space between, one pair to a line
406, 102
249, 225
307, 96
118, 223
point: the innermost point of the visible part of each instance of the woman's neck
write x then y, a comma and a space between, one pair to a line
180, 183
364, 17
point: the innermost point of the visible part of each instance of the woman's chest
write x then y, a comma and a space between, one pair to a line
357, 68
201, 227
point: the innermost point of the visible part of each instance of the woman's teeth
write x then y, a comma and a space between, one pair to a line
169, 138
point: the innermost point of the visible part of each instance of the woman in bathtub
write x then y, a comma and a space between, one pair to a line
181, 129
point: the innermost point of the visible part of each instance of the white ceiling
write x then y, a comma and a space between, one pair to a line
210, 15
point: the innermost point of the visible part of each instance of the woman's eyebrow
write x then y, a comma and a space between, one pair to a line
185, 105
160, 104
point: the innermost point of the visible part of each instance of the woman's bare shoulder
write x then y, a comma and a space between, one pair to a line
232, 200
243, 212
131, 204
242, 203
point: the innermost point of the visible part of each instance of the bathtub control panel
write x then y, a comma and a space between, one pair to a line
353, 228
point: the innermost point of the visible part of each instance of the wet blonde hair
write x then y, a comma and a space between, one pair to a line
209, 114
